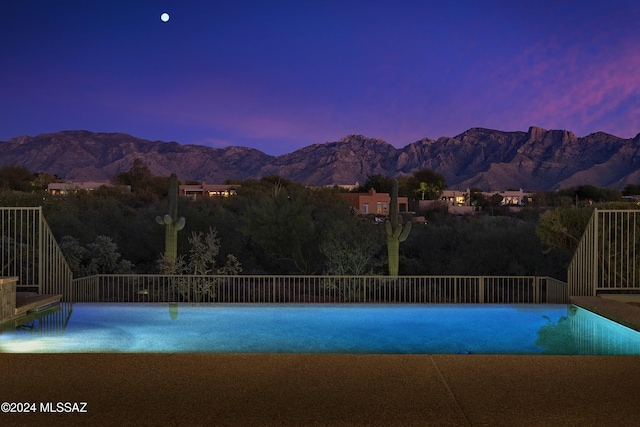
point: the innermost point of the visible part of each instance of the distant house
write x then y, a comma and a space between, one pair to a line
347, 187
514, 197
459, 202
204, 189
374, 203
59, 188
455, 197
509, 197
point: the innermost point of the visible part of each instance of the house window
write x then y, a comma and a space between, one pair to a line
365, 208
379, 207
511, 200
385, 208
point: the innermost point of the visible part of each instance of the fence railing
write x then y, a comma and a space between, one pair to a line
30, 252
319, 289
607, 258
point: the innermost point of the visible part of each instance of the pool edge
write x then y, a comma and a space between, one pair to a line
617, 311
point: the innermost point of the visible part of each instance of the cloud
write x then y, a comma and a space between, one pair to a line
574, 89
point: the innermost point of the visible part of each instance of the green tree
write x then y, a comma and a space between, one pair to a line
136, 176
631, 190
99, 257
351, 247
423, 189
105, 258
540, 199
428, 184
143, 183
494, 203
563, 228
74, 253
16, 178
109, 212
588, 194
378, 182
282, 225
481, 245
476, 197
42, 180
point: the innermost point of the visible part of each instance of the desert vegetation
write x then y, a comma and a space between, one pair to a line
276, 226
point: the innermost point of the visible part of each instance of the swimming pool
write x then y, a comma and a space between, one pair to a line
323, 328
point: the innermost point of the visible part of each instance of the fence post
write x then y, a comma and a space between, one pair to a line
40, 250
456, 288
481, 289
273, 289
594, 279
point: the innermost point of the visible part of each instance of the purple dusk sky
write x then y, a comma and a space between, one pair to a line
281, 75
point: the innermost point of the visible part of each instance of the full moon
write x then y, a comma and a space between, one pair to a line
164, 17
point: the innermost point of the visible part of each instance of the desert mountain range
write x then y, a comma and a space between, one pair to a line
538, 159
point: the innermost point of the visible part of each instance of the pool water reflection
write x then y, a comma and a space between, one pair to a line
322, 328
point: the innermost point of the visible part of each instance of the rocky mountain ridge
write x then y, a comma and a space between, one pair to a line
538, 159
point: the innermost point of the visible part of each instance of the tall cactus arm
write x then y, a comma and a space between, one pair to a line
180, 223
405, 232
388, 228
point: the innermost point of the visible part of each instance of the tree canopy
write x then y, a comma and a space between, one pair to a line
423, 184
276, 226
17, 178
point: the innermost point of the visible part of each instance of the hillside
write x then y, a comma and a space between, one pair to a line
489, 159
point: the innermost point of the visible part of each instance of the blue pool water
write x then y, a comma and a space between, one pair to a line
256, 328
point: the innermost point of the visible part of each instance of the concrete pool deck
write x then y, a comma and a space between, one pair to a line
328, 390
323, 390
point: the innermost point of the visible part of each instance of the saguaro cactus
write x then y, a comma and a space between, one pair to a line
171, 222
395, 231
